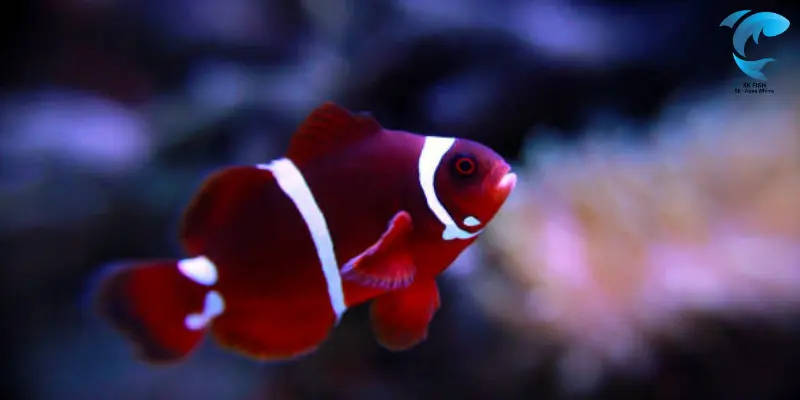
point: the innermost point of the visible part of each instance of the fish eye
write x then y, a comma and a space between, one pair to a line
465, 165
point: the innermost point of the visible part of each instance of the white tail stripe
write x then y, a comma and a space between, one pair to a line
199, 269
433, 150
214, 306
291, 181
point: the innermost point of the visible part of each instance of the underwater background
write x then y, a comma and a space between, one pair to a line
650, 250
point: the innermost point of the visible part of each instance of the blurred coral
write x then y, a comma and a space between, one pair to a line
612, 247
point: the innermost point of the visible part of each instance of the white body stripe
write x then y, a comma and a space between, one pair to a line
429, 159
291, 181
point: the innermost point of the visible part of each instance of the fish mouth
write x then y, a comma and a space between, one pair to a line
499, 186
504, 188
505, 184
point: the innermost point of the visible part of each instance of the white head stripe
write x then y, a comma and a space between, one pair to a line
432, 152
214, 306
291, 181
199, 269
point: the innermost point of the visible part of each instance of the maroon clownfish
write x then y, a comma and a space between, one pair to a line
277, 252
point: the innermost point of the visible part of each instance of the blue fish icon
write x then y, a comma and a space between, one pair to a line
767, 23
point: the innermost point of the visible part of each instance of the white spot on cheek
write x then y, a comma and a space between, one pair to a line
199, 269
214, 307
471, 221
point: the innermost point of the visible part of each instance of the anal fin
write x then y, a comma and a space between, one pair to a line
400, 318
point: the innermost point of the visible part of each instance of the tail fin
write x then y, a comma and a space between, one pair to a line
152, 303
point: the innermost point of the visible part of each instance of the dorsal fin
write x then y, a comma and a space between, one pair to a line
327, 129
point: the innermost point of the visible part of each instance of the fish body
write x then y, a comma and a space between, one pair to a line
277, 252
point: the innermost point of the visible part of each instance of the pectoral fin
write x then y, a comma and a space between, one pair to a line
387, 264
400, 318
